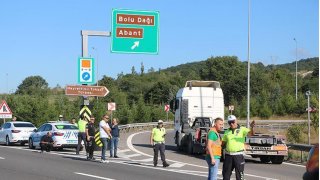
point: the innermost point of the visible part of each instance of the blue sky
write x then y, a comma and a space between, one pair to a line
43, 37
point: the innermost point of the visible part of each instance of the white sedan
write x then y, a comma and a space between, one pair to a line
64, 135
16, 132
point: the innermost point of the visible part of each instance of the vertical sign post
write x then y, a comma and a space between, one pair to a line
111, 107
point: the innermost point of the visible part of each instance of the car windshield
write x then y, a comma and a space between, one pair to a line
66, 126
23, 125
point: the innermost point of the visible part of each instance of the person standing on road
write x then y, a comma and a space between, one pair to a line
90, 130
157, 140
61, 118
74, 122
115, 138
213, 152
82, 133
105, 135
14, 118
234, 139
46, 142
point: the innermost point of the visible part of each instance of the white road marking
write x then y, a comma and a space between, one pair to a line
89, 175
123, 151
132, 155
145, 160
290, 164
2, 158
177, 165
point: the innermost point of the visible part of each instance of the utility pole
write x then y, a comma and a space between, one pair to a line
248, 94
308, 94
296, 68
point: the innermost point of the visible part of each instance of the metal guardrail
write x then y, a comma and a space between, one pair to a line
301, 148
141, 126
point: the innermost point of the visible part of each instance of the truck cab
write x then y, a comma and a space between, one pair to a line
196, 106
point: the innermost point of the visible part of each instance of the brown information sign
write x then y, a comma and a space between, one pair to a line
76, 90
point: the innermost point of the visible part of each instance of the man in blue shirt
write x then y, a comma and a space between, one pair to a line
115, 138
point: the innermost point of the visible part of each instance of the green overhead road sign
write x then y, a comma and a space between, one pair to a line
135, 31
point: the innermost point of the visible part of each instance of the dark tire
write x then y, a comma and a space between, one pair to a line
277, 159
31, 144
8, 143
60, 149
190, 145
265, 159
178, 141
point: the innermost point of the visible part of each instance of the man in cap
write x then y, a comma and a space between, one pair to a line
234, 139
61, 118
157, 140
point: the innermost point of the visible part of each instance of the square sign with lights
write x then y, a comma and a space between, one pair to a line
86, 71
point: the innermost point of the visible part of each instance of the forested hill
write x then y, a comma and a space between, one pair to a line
308, 64
303, 65
140, 96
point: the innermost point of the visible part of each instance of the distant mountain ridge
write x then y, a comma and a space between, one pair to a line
305, 65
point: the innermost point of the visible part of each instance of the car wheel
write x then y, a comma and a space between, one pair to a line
8, 141
264, 159
31, 144
277, 159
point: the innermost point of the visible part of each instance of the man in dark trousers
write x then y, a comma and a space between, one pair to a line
157, 140
90, 130
82, 133
234, 139
46, 142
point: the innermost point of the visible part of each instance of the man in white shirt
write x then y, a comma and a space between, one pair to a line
105, 136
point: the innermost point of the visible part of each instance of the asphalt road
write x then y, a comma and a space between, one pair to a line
254, 169
21, 163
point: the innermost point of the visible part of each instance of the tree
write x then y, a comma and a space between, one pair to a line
33, 85
142, 69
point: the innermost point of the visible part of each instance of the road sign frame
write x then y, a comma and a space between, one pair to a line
79, 90
5, 115
113, 105
146, 43
80, 73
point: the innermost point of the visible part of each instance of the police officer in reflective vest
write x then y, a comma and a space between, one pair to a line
213, 152
157, 140
82, 133
234, 139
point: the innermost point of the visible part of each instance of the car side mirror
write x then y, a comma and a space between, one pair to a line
35, 130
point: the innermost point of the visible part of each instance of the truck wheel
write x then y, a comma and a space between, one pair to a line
190, 145
265, 159
277, 159
178, 141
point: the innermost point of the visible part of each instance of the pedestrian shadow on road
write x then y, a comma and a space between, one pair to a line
174, 149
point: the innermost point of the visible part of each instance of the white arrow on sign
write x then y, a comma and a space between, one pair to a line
136, 44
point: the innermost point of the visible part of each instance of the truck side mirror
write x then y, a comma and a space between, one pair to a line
172, 106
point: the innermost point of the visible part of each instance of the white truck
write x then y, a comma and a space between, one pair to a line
196, 106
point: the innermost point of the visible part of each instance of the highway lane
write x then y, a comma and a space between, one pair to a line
21, 163
253, 168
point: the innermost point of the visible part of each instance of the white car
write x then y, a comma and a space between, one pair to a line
64, 135
16, 132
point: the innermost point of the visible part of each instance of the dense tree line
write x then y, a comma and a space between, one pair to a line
140, 96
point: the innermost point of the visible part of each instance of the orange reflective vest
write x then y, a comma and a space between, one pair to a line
216, 145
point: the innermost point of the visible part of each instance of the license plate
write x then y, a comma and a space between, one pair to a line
72, 141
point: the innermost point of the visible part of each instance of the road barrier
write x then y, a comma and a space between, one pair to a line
301, 148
